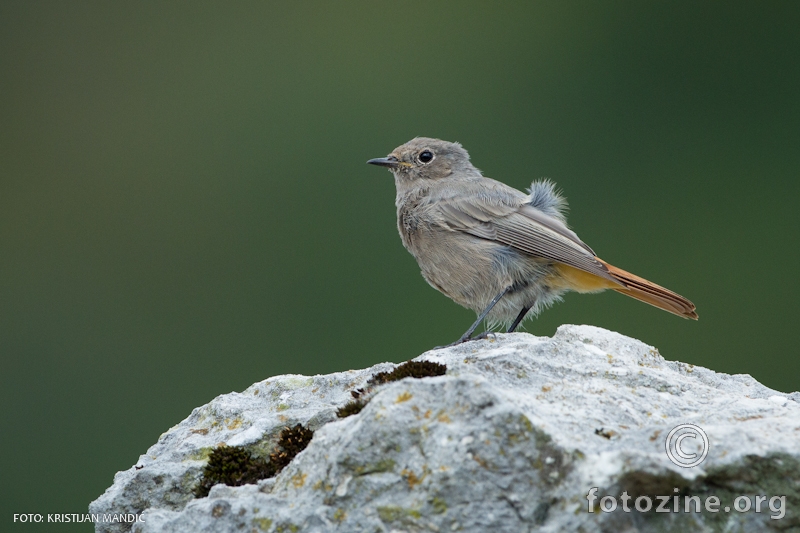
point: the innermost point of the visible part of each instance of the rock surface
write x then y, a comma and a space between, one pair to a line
512, 439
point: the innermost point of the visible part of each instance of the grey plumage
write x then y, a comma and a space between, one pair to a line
545, 197
476, 239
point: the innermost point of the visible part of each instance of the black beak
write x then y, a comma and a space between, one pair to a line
390, 162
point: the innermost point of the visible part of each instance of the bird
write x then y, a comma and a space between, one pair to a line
491, 248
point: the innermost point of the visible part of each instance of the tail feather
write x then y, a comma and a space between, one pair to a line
649, 292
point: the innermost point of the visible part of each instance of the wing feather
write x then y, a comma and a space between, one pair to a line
509, 220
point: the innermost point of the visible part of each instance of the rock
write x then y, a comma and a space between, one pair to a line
513, 438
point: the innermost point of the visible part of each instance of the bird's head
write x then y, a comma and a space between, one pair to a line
424, 158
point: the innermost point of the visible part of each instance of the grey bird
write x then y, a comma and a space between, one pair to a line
504, 254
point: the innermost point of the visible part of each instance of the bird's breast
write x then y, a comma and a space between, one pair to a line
410, 214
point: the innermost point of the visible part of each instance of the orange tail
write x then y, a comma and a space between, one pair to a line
649, 292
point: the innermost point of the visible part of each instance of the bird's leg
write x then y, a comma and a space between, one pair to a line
519, 318
468, 335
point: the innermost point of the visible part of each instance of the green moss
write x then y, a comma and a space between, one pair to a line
351, 408
410, 369
291, 442
235, 465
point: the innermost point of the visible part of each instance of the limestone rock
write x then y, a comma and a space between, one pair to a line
512, 439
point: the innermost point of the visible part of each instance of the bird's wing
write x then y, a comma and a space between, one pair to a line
508, 220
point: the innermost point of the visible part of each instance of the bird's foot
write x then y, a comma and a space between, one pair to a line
467, 338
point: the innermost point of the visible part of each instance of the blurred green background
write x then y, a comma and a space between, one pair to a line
185, 208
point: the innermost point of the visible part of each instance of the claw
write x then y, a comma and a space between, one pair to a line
462, 340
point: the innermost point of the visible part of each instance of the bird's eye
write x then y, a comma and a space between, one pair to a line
426, 156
